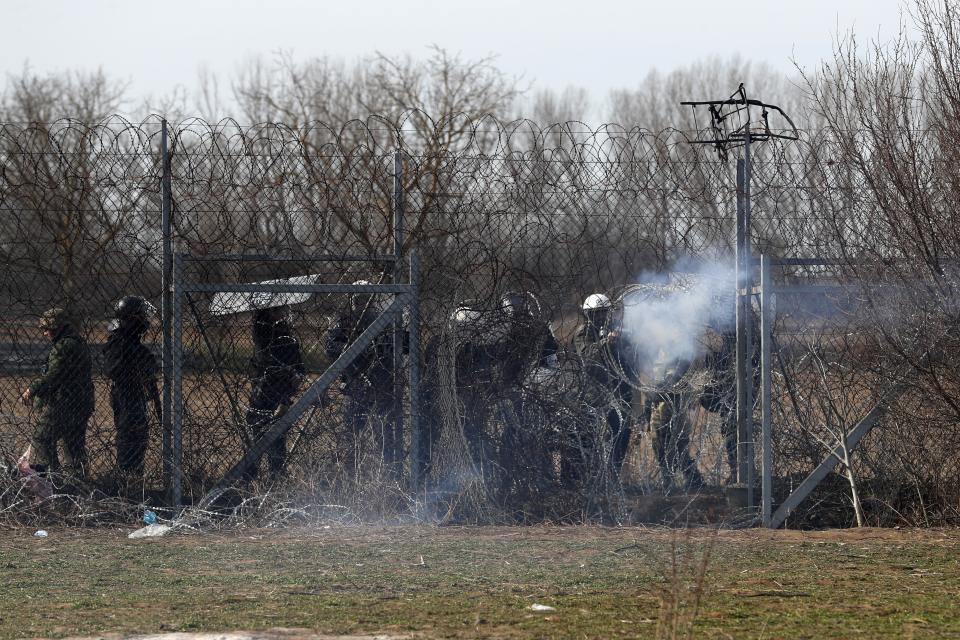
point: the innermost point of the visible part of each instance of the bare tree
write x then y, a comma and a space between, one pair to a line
891, 111
434, 102
655, 103
77, 196
549, 107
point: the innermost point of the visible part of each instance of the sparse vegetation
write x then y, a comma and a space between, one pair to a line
479, 582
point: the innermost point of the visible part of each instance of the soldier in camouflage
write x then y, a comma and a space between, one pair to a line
63, 396
719, 395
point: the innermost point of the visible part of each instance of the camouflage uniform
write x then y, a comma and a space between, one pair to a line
64, 397
671, 429
720, 394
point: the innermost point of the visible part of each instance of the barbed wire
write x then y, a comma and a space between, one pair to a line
490, 208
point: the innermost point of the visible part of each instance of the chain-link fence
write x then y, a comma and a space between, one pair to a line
525, 410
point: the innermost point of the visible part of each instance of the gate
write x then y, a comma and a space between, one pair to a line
211, 395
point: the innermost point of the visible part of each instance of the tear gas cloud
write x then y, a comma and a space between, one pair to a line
665, 317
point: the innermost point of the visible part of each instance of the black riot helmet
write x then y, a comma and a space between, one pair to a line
135, 313
519, 305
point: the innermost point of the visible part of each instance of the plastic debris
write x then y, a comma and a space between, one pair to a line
40, 534
151, 531
540, 607
36, 485
149, 517
227, 303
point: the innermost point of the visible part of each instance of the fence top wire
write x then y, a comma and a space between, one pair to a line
513, 201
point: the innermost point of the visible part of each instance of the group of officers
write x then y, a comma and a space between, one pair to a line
63, 395
493, 355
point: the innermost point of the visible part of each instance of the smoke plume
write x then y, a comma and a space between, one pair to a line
665, 318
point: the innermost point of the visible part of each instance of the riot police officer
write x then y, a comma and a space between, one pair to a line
601, 346
276, 372
132, 370
492, 351
64, 395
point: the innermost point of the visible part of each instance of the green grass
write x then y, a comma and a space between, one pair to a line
479, 582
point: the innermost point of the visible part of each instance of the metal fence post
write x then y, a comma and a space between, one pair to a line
396, 438
766, 334
741, 350
416, 469
166, 307
744, 277
748, 320
176, 484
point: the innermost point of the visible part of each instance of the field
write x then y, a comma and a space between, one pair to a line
480, 582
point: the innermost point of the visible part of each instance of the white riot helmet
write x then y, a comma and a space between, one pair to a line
464, 315
596, 302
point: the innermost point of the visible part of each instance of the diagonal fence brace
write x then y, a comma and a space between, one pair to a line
833, 458
307, 399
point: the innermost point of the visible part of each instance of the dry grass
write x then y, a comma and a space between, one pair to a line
479, 582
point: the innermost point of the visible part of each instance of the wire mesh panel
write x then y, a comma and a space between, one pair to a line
534, 404
80, 231
250, 355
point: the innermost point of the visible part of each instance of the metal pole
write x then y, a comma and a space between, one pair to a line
416, 468
397, 422
766, 332
166, 305
741, 360
176, 484
748, 320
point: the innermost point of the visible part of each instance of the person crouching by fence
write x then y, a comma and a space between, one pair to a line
276, 374
63, 396
132, 369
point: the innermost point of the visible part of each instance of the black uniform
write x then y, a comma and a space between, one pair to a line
276, 372
494, 357
608, 393
367, 382
132, 370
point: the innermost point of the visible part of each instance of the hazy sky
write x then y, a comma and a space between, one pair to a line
597, 44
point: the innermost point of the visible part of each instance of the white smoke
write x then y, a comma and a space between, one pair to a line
666, 318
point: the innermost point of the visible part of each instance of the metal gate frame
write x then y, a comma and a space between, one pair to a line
856, 433
405, 296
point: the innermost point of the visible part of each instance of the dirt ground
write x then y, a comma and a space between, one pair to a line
429, 582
